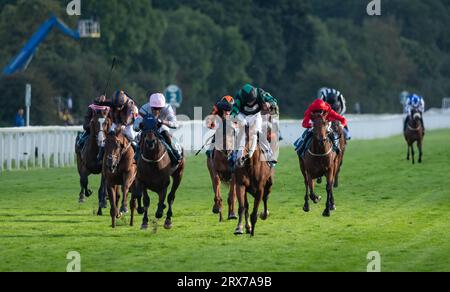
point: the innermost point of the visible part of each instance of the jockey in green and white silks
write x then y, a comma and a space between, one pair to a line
167, 120
249, 103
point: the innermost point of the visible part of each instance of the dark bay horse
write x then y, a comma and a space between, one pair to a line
319, 160
119, 169
254, 177
220, 170
414, 133
154, 171
87, 162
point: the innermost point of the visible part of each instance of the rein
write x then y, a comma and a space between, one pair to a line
150, 160
320, 155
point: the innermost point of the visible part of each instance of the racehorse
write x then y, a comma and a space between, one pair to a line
119, 169
255, 176
414, 133
87, 162
154, 171
220, 170
337, 128
319, 160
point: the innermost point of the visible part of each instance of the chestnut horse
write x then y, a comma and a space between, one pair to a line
119, 169
414, 133
87, 162
154, 171
319, 160
255, 176
220, 170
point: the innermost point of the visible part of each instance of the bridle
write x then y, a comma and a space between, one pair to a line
145, 159
321, 140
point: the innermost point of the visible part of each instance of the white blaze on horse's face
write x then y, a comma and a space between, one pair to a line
417, 116
101, 133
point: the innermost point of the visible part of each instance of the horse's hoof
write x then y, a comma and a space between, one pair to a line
316, 199
144, 226
99, 212
264, 216
103, 205
168, 224
124, 210
82, 200
159, 215
248, 229
238, 231
326, 213
306, 209
88, 193
140, 210
333, 208
216, 210
232, 216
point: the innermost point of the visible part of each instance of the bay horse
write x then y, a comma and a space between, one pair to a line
319, 160
154, 171
119, 169
220, 170
414, 133
87, 162
255, 176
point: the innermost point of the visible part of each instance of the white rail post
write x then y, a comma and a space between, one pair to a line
25, 152
33, 151
9, 161
2, 153
47, 150
18, 149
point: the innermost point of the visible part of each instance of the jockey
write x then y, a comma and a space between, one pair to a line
416, 102
98, 102
167, 120
318, 105
337, 102
221, 109
249, 103
123, 114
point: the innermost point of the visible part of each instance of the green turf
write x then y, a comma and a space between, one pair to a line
384, 204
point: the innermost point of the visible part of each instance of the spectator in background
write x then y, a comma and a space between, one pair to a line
20, 120
66, 117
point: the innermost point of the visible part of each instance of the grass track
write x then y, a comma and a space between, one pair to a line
384, 204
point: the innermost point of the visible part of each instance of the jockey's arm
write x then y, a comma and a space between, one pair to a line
87, 119
334, 116
170, 120
307, 120
237, 106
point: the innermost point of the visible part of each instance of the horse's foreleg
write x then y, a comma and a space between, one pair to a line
112, 199
144, 192
171, 198
327, 211
161, 206
412, 154
232, 200
267, 191
240, 193
133, 203
248, 225
254, 217
419, 145
217, 208
409, 150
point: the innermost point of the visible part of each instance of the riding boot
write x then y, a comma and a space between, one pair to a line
101, 153
304, 142
423, 126
136, 151
175, 157
336, 145
405, 124
347, 134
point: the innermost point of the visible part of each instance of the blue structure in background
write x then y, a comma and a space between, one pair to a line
23, 59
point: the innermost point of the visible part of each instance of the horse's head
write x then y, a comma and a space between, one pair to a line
150, 132
416, 115
100, 124
115, 146
319, 119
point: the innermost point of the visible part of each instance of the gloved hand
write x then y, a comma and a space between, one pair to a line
160, 123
